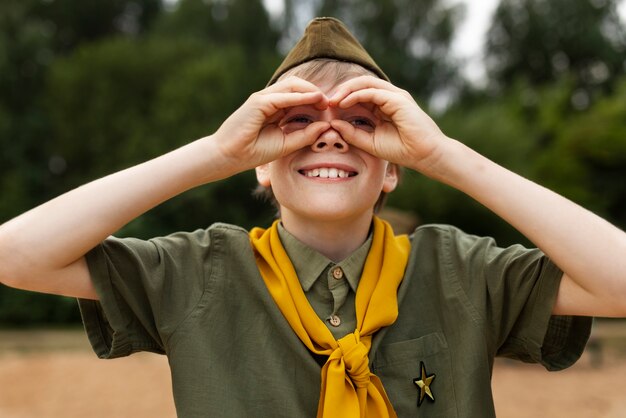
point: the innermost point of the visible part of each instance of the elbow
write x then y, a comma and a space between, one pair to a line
619, 309
613, 305
4, 262
11, 277
614, 297
5, 281
9, 262
6, 277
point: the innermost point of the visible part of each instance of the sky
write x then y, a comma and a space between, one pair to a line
470, 37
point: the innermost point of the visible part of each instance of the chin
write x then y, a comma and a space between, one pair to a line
330, 213
330, 207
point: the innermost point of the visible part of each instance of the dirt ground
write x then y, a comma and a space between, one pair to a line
53, 374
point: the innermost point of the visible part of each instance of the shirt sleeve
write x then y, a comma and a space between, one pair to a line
513, 290
145, 289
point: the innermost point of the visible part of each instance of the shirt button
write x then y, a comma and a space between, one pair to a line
334, 320
338, 273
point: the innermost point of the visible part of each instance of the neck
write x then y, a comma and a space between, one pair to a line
335, 239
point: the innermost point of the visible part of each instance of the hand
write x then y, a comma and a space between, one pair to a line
404, 133
251, 136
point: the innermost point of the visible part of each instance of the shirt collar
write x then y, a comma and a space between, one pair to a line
310, 264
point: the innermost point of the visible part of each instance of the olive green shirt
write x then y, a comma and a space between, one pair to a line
199, 298
329, 287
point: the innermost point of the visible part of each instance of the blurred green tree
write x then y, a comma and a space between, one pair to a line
495, 128
569, 55
543, 40
33, 33
241, 23
81, 99
532, 131
119, 102
586, 158
77, 22
87, 88
25, 53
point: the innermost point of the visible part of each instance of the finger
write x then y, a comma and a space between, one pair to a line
305, 137
292, 84
297, 85
272, 103
381, 98
275, 118
354, 136
359, 83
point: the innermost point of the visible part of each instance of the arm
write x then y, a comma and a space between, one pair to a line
588, 249
43, 249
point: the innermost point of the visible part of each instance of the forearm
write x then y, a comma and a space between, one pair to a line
587, 248
43, 249
59, 232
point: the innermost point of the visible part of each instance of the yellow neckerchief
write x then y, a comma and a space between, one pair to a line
349, 389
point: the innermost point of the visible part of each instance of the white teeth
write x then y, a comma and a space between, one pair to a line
313, 173
327, 173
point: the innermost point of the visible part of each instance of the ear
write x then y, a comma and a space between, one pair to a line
263, 175
391, 178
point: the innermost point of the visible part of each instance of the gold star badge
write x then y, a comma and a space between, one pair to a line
423, 383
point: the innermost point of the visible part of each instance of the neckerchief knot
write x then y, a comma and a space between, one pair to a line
355, 356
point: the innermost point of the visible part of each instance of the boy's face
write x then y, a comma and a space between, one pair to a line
329, 180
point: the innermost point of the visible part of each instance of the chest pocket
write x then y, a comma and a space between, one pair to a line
398, 365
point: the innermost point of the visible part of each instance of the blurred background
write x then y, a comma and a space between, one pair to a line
91, 87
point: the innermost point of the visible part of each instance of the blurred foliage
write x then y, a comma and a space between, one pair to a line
495, 128
543, 41
88, 88
181, 90
534, 132
586, 159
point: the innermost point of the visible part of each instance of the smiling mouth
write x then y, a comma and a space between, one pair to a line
327, 173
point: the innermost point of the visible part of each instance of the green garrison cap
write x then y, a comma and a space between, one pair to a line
327, 37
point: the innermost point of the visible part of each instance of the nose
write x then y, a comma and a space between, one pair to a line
330, 140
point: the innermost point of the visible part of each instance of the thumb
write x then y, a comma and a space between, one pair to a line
304, 137
354, 136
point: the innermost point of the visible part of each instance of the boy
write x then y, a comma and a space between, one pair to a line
327, 310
